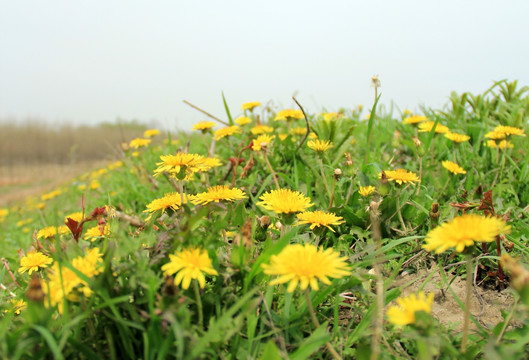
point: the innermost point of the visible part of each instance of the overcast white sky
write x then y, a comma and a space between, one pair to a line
93, 61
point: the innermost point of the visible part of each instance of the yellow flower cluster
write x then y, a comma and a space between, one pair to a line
64, 284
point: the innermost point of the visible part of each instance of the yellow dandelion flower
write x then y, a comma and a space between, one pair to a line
401, 176
47, 232
227, 131
62, 281
190, 264
299, 131
179, 164
365, 191
289, 114
243, 120
284, 201
40, 205
250, 105
4, 212
331, 116
404, 312
95, 232
51, 195
33, 261
320, 145
453, 167
509, 130
94, 184
150, 133
414, 119
427, 126
168, 201
139, 142
21, 223
495, 135
263, 140
208, 163
319, 218
313, 136
502, 145
282, 137
216, 194
63, 230
77, 216
261, 129
456, 137
115, 165
305, 265
406, 112
464, 231
204, 125
17, 305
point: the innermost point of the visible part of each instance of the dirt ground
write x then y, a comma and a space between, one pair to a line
19, 182
486, 304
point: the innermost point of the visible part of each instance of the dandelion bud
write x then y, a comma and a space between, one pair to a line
264, 221
348, 159
263, 224
337, 174
434, 215
519, 276
375, 81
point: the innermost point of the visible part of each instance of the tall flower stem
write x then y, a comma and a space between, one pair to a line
181, 191
379, 319
420, 175
466, 321
502, 165
332, 194
316, 323
199, 304
271, 171
324, 178
399, 211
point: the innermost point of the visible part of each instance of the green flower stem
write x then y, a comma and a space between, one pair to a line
199, 304
271, 171
424, 350
466, 321
324, 179
316, 323
399, 211
502, 165
333, 190
181, 191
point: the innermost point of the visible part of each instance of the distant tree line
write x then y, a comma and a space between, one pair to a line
35, 142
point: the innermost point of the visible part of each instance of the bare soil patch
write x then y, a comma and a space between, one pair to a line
19, 182
486, 305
